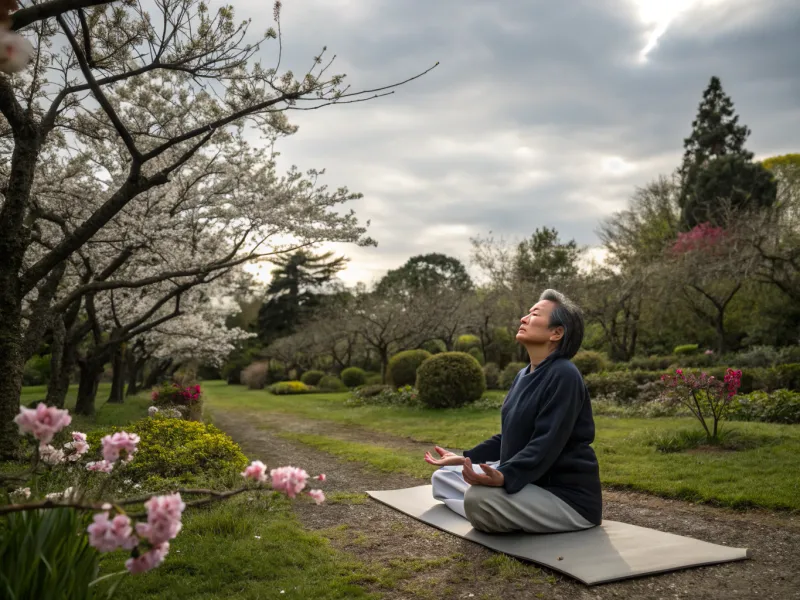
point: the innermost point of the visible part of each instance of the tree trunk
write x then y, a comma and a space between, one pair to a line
157, 372
134, 370
90, 372
58, 386
384, 354
117, 395
11, 367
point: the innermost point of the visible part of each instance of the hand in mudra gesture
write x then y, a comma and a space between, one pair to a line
445, 458
490, 477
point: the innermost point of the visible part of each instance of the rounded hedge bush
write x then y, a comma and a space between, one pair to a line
466, 342
589, 362
509, 373
619, 385
492, 374
331, 383
312, 377
450, 380
477, 355
353, 377
684, 349
434, 346
403, 366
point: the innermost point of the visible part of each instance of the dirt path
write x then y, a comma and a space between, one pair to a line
408, 559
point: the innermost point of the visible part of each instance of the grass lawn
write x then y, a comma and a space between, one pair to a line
766, 476
250, 547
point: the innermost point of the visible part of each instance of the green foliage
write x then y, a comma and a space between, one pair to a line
402, 369
652, 363
331, 383
46, 555
477, 355
669, 442
757, 356
434, 346
492, 374
618, 385
450, 380
780, 406
175, 449
384, 396
467, 342
373, 379
500, 348
365, 391
545, 258
784, 376
589, 362
789, 355
426, 272
312, 377
686, 349
509, 373
36, 371
353, 377
283, 388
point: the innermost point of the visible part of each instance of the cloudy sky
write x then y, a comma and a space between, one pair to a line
541, 112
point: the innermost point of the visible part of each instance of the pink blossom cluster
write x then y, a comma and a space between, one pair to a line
703, 237
43, 422
733, 381
163, 524
730, 385
288, 480
178, 395
117, 443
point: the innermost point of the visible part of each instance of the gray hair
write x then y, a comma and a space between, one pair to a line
568, 315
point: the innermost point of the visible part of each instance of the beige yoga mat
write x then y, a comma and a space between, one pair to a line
602, 554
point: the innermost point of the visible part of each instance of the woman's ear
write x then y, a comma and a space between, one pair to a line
557, 333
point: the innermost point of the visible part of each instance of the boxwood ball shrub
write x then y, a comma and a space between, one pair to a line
353, 377
509, 373
477, 355
450, 380
589, 361
684, 349
492, 374
331, 383
435, 346
403, 366
466, 342
283, 388
174, 448
312, 377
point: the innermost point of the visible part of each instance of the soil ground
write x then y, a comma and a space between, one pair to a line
411, 560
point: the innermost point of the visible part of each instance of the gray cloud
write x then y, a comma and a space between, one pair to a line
539, 113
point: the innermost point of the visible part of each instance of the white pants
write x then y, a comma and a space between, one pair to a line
493, 510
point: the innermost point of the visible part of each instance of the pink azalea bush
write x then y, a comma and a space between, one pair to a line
172, 393
705, 396
704, 237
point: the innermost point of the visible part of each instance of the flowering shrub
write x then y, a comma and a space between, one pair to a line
706, 397
704, 237
173, 394
42, 575
289, 387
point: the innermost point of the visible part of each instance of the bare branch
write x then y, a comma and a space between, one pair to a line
46, 10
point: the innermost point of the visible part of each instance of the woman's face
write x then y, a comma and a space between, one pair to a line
535, 326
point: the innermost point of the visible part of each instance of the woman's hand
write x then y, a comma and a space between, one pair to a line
446, 458
491, 477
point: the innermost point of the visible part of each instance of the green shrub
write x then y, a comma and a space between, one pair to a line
685, 349
780, 406
652, 363
757, 356
643, 377
509, 373
373, 379
174, 448
501, 348
477, 355
589, 362
312, 377
618, 385
492, 374
434, 346
466, 342
698, 360
785, 377
403, 366
353, 377
331, 383
36, 371
450, 380
388, 396
789, 355
372, 390
283, 388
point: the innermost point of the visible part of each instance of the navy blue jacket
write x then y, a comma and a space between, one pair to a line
545, 436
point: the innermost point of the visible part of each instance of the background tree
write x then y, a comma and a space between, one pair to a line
718, 173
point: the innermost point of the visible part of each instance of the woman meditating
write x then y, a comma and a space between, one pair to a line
539, 474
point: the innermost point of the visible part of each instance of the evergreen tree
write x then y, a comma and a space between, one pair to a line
294, 291
425, 272
718, 174
544, 259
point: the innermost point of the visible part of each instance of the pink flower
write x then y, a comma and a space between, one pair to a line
163, 519
317, 495
43, 422
107, 535
289, 480
256, 470
50, 455
102, 466
149, 560
114, 444
15, 51
321, 477
679, 372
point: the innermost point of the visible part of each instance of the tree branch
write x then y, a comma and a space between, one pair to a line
46, 10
